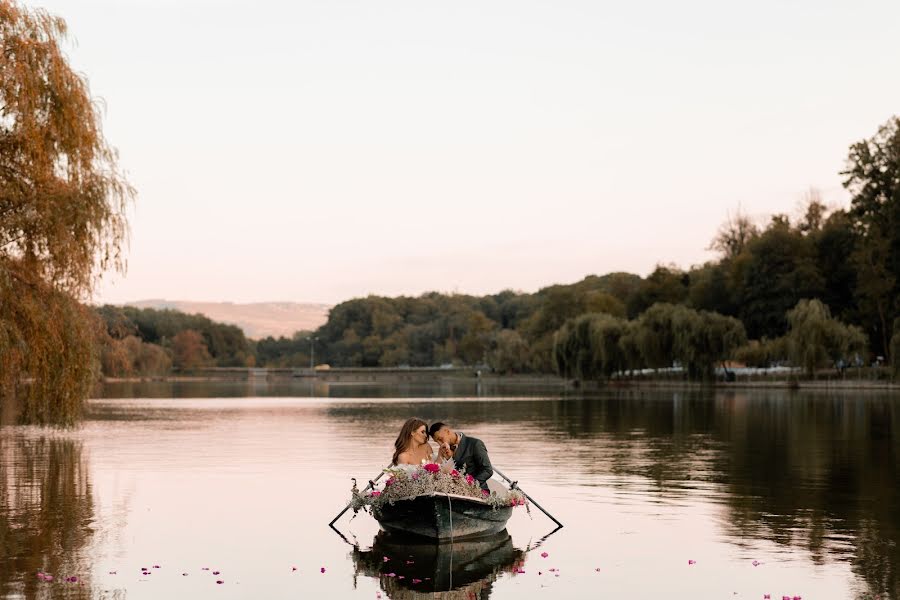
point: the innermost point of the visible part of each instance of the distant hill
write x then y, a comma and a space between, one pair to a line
257, 319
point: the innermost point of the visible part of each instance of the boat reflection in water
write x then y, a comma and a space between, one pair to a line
419, 568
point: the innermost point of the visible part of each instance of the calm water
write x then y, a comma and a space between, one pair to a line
769, 492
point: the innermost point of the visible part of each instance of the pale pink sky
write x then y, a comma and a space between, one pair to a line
316, 151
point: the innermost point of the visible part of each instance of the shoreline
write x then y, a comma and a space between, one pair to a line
362, 376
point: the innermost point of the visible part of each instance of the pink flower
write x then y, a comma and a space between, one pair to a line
454, 473
544, 555
520, 570
692, 562
389, 482
417, 580
432, 468
485, 493
375, 494
470, 480
322, 570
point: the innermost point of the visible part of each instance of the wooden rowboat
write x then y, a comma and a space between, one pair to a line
443, 517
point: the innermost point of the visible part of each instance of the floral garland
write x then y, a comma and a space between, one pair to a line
428, 480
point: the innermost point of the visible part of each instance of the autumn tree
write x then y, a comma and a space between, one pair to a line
62, 202
189, 350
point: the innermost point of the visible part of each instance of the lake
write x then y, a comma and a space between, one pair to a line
167, 488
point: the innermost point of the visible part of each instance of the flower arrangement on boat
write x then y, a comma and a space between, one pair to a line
429, 479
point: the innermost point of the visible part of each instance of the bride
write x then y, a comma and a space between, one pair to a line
412, 447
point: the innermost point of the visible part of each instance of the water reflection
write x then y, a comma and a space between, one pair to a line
814, 472
46, 517
419, 569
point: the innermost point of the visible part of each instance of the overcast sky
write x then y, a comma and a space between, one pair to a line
316, 151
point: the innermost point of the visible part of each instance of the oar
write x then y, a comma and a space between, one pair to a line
514, 485
371, 484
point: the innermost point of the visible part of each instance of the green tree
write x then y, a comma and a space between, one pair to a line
668, 285
62, 202
816, 338
509, 353
873, 178
895, 348
778, 268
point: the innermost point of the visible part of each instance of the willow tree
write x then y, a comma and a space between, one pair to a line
62, 204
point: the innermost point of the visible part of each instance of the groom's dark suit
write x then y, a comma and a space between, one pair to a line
472, 455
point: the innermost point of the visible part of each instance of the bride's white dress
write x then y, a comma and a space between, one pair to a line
410, 468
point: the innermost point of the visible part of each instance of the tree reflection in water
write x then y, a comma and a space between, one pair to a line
46, 517
419, 569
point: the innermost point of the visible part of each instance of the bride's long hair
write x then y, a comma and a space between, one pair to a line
404, 439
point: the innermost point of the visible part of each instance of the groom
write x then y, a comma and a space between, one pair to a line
464, 450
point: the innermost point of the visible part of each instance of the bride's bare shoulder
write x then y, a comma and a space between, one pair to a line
404, 458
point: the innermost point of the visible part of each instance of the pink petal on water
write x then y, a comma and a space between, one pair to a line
597, 569
417, 581
756, 563
205, 569
216, 573
219, 581
544, 555
322, 570
391, 575
540, 573
113, 572
293, 569
692, 562
386, 559
155, 566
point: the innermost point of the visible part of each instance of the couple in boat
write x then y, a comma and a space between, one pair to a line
412, 449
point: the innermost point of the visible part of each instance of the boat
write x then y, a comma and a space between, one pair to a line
416, 568
443, 517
